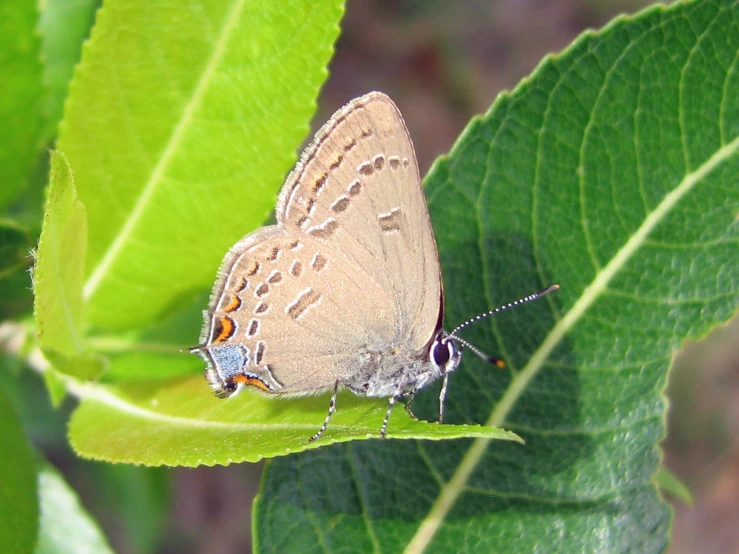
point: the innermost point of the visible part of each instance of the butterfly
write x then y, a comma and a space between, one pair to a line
345, 291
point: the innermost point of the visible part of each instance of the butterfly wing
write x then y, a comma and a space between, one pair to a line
285, 311
350, 270
357, 191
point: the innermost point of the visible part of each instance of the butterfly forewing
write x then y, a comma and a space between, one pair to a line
357, 190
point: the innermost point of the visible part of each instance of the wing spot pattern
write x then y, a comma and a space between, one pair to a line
224, 329
296, 268
319, 262
354, 188
259, 353
243, 286
233, 305
254, 269
274, 254
320, 183
325, 229
341, 204
337, 163
366, 168
253, 328
390, 222
302, 302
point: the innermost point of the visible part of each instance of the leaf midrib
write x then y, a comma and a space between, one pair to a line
94, 392
179, 131
456, 485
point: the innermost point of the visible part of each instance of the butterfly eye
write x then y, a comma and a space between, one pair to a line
442, 352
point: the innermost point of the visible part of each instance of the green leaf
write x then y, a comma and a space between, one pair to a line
58, 277
65, 525
21, 96
670, 483
18, 503
180, 126
55, 386
612, 172
176, 424
63, 26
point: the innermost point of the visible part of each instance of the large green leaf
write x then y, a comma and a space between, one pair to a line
176, 424
18, 502
181, 123
159, 172
612, 171
21, 95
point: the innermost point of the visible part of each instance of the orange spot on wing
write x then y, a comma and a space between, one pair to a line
233, 305
253, 381
227, 329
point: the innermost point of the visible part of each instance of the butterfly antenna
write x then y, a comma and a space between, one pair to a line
490, 359
502, 308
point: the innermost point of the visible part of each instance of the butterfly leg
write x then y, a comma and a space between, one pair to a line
442, 398
411, 395
393, 399
331, 410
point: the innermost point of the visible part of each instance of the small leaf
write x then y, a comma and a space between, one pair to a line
65, 524
147, 423
58, 277
181, 125
670, 483
55, 386
18, 503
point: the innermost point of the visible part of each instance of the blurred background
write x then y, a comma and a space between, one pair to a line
442, 62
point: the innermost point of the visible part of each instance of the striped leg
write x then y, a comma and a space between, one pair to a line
442, 398
331, 410
393, 399
411, 395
